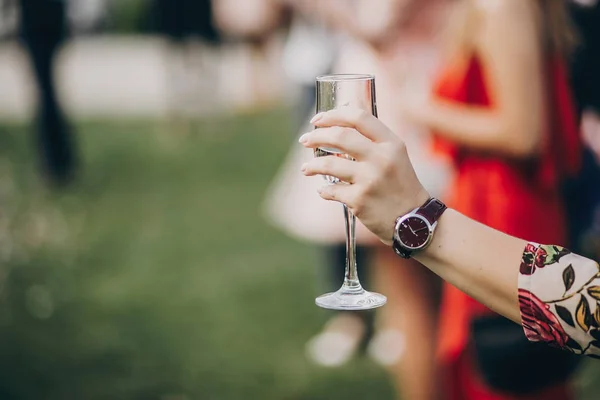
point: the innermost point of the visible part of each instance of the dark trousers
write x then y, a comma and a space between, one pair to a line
53, 138
43, 26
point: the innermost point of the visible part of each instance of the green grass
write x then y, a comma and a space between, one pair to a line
155, 276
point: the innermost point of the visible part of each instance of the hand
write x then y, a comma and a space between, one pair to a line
590, 129
382, 184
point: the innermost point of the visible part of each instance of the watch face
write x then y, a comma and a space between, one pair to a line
413, 232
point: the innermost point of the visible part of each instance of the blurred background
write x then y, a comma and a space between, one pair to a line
137, 148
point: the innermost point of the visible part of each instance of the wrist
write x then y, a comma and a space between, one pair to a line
420, 198
417, 200
435, 248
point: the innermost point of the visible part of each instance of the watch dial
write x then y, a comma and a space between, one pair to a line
413, 232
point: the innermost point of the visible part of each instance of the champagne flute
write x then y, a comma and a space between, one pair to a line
358, 91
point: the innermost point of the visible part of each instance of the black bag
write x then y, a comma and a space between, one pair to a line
510, 363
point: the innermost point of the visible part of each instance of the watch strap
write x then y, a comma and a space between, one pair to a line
432, 210
401, 251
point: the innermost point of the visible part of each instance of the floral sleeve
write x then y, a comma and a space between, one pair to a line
559, 297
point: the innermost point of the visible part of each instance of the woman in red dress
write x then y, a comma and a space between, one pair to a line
502, 111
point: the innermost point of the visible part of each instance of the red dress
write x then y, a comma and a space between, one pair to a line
518, 197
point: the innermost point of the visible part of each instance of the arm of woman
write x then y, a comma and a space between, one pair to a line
509, 47
552, 292
474, 258
549, 290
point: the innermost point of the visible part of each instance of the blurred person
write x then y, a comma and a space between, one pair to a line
502, 111
394, 40
87, 16
311, 50
549, 290
585, 14
582, 193
187, 25
8, 18
255, 23
43, 30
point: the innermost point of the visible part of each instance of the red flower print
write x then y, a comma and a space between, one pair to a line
539, 323
527, 261
541, 258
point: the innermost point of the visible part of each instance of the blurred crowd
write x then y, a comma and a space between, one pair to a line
416, 49
512, 137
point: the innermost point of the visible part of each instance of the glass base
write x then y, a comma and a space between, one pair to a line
345, 299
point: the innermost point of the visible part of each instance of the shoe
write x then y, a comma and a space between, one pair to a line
332, 349
387, 347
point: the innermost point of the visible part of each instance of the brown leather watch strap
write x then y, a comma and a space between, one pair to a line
432, 210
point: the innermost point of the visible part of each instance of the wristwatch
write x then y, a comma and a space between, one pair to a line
414, 231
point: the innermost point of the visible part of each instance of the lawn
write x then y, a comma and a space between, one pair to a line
155, 276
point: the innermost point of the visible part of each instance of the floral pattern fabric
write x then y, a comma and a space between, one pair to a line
559, 297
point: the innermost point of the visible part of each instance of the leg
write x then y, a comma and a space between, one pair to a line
178, 124
411, 315
260, 87
200, 78
54, 138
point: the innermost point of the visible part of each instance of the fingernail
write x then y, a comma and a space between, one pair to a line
303, 138
303, 167
317, 117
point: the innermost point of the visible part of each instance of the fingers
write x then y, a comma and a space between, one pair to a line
364, 122
339, 193
341, 168
346, 140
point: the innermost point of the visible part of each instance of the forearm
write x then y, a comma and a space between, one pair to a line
478, 260
474, 127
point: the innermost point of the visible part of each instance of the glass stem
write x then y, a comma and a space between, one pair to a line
351, 282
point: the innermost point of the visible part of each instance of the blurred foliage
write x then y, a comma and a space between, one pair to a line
130, 16
155, 277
